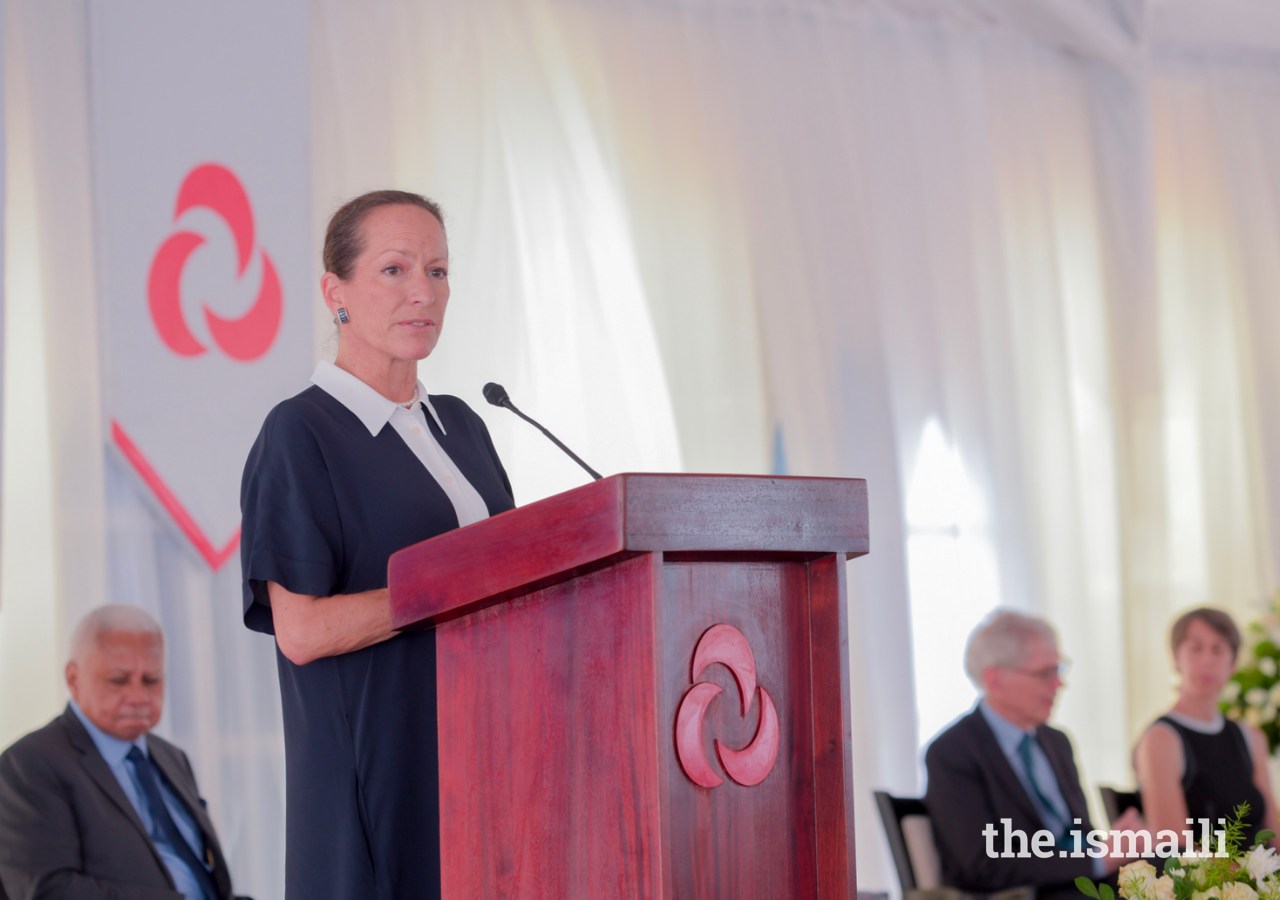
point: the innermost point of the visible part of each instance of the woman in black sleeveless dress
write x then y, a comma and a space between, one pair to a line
1192, 762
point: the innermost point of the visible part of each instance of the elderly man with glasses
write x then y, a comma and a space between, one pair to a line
1003, 762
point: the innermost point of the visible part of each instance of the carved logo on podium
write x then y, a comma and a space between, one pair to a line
728, 646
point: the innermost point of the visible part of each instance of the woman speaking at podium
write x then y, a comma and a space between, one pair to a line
354, 468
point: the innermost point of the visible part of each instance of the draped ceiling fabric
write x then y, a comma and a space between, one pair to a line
1012, 261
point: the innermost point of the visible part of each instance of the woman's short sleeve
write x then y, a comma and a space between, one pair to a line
290, 530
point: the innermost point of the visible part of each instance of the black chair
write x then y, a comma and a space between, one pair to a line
1116, 802
915, 854
894, 811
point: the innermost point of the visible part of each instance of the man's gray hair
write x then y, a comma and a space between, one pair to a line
1002, 641
112, 617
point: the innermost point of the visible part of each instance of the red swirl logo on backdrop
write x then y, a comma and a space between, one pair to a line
749, 766
217, 189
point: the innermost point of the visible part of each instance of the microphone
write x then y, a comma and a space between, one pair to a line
496, 394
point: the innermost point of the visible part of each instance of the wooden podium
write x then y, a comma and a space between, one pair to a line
642, 690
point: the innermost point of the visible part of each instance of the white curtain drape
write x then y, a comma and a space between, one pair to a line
919, 244
852, 226
54, 555
1209, 502
923, 239
1013, 262
3, 174
547, 293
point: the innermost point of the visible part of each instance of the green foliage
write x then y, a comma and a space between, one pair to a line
1087, 887
1182, 888
1217, 870
1235, 829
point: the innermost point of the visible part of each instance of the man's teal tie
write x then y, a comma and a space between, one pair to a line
1055, 820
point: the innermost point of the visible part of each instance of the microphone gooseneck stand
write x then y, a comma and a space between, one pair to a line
496, 394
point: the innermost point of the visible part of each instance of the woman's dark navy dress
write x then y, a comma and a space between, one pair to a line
325, 504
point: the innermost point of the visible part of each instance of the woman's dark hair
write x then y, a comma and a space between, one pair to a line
1216, 619
343, 242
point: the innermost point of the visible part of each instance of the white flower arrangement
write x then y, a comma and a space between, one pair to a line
1233, 875
1260, 862
1253, 693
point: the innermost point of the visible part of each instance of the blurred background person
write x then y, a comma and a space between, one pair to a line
1193, 762
92, 805
1002, 761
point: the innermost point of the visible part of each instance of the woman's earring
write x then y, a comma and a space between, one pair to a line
342, 316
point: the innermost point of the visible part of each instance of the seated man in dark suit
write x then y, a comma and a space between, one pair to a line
91, 806
1002, 761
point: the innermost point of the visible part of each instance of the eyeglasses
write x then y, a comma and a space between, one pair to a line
1059, 672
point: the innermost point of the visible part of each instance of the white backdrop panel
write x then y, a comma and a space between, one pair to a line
201, 132
201, 137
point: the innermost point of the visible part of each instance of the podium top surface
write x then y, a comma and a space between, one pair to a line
533, 545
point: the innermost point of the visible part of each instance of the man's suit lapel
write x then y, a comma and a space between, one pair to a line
96, 767
998, 764
181, 784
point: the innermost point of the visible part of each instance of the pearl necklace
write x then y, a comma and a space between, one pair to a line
410, 404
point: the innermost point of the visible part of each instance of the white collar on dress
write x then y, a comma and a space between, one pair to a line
1199, 725
371, 408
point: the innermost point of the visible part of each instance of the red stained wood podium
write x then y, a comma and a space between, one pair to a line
579, 735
